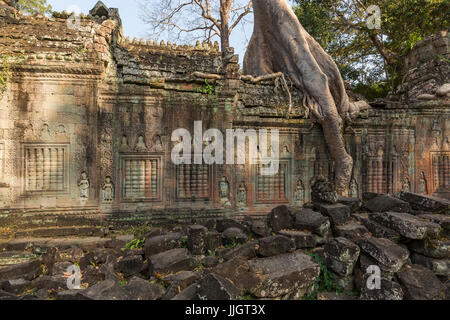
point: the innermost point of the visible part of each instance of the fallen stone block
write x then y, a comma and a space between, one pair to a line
341, 255
260, 228
309, 220
158, 244
425, 203
196, 239
388, 290
72, 295
224, 224
384, 203
384, 252
132, 265
275, 245
338, 213
27, 270
434, 248
6, 296
353, 203
237, 270
233, 236
15, 286
440, 219
183, 278
280, 218
284, 274
406, 224
302, 239
210, 262
106, 290
213, 240
440, 267
377, 229
419, 283
171, 261
333, 296
50, 282
216, 287
247, 250
140, 289
190, 293
351, 231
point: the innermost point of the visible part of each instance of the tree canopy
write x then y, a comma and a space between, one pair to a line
34, 6
366, 56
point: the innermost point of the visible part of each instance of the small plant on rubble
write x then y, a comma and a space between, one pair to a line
324, 283
5, 73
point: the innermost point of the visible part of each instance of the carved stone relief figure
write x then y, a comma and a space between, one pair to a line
140, 145
45, 132
84, 187
406, 187
299, 194
108, 191
354, 190
436, 132
157, 143
285, 152
224, 192
124, 144
423, 189
242, 195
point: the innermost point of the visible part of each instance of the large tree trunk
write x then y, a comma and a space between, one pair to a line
280, 44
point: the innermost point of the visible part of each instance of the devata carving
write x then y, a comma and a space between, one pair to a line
280, 44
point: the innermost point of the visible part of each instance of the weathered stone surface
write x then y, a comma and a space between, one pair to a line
210, 262
109, 268
50, 282
338, 213
407, 225
27, 271
260, 228
216, 287
237, 270
224, 224
383, 203
283, 274
384, 252
389, 290
440, 267
353, 203
106, 290
140, 289
425, 203
341, 255
352, 231
307, 219
440, 219
419, 283
196, 239
280, 218
275, 245
15, 286
72, 295
247, 250
158, 244
171, 261
190, 293
434, 248
377, 229
213, 240
6, 296
333, 296
183, 278
233, 236
302, 239
131, 265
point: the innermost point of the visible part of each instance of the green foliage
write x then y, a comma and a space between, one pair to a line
373, 90
5, 73
34, 6
371, 57
207, 88
135, 244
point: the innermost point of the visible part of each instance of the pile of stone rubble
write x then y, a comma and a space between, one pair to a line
383, 248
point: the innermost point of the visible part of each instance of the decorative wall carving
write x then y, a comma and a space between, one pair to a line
299, 194
46, 168
141, 178
273, 188
84, 186
108, 191
193, 182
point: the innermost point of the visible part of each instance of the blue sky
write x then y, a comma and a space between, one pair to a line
133, 26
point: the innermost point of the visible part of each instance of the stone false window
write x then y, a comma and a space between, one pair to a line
141, 178
274, 188
441, 171
46, 168
193, 182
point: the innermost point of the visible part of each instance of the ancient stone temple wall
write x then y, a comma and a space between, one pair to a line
87, 118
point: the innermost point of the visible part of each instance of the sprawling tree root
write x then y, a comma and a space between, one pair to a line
280, 44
